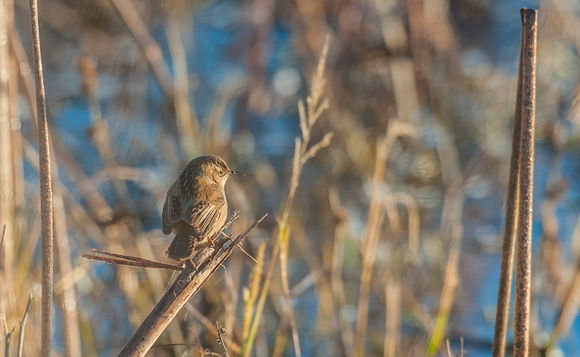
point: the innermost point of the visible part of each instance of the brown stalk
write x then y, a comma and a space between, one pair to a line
510, 229
46, 208
336, 269
393, 304
66, 297
187, 283
452, 227
316, 104
370, 242
8, 169
524, 243
569, 308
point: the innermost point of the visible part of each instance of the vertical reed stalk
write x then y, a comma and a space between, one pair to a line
45, 187
370, 242
510, 229
524, 243
7, 169
393, 294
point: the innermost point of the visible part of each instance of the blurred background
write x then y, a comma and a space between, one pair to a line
402, 208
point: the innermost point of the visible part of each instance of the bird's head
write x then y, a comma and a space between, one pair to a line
215, 168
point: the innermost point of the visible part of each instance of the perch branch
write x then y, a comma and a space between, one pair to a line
187, 284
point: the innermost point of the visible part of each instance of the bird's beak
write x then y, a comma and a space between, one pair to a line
234, 172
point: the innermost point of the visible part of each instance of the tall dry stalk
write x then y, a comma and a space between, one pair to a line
510, 229
316, 104
524, 243
7, 169
370, 242
452, 227
65, 292
46, 208
309, 114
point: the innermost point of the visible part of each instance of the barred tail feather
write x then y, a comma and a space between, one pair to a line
181, 248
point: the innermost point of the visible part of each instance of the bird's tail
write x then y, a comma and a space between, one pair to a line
182, 247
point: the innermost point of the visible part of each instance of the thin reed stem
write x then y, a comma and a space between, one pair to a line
46, 208
23, 327
394, 130
510, 229
524, 243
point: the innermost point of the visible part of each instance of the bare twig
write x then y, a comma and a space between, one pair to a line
45, 187
524, 245
234, 347
510, 229
187, 283
221, 331
113, 258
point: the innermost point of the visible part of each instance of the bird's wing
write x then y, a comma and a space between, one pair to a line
203, 214
171, 212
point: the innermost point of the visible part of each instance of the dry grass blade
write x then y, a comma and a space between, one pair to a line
23, 326
45, 187
187, 283
7, 337
394, 130
302, 153
2, 245
251, 292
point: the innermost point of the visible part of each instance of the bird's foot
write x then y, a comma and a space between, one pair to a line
192, 264
228, 237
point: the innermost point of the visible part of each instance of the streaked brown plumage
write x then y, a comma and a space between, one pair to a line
195, 207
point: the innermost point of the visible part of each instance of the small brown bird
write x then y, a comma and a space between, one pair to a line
195, 207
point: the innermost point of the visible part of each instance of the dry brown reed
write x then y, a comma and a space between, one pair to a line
395, 129
10, 181
524, 243
22, 328
309, 114
46, 195
510, 229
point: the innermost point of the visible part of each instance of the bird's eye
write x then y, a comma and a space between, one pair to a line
221, 172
